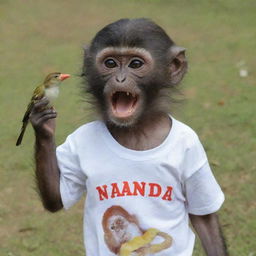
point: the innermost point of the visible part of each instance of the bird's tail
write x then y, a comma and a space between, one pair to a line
23, 129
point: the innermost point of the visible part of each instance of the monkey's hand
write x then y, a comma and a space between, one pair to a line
42, 118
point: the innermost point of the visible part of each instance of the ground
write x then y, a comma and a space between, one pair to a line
42, 36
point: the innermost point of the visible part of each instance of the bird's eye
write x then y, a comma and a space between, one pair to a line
110, 63
136, 64
56, 76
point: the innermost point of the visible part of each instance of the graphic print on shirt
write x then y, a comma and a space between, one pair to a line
134, 188
124, 236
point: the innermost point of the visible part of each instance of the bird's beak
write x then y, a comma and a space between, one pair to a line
63, 76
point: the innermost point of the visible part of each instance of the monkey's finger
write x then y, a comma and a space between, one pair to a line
41, 99
40, 105
45, 118
37, 115
36, 118
44, 112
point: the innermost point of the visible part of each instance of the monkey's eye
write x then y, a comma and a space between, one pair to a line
136, 64
110, 63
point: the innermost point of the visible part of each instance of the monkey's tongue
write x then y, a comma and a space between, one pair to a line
123, 104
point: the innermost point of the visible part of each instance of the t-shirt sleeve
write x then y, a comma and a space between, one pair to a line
203, 193
72, 178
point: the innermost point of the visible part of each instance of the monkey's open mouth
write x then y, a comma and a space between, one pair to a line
123, 103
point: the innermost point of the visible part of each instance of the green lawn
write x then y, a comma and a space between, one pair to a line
41, 36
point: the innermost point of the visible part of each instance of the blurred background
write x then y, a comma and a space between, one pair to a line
42, 36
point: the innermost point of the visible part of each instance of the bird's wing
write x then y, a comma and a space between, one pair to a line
37, 95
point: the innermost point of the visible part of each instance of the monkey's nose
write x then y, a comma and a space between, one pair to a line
120, 79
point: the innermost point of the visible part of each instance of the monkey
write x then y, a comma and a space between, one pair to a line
120, 227
131, 70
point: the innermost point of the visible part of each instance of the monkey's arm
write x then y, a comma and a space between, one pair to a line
209, 232
47, 171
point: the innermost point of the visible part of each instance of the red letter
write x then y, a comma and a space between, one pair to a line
152, 190
126, 189
139, 187
168, 194
115, 190
103, 193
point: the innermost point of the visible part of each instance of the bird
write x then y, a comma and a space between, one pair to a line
49, 89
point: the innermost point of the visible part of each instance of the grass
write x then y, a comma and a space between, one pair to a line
42, 36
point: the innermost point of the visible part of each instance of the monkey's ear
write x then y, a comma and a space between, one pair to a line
178, 63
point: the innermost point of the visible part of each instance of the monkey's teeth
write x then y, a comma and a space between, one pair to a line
127, 93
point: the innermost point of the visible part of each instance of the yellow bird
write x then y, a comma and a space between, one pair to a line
49, 89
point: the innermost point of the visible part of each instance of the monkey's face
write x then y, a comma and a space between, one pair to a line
122, 230
124, 72
129, 68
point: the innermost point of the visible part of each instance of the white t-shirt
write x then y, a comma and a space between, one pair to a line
137, 202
